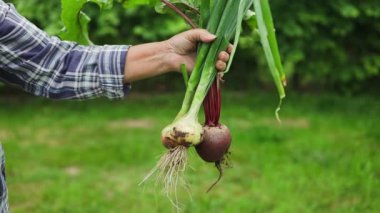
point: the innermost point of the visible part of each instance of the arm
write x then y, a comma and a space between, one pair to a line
145, 61
49, 67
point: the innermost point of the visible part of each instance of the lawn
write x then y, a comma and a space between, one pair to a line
65, 156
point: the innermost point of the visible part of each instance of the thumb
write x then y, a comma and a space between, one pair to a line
200, 35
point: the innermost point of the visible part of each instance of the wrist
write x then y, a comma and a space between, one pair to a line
168, 56
147, 60
165, 55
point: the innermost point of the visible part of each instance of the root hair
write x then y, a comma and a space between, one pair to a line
169, 172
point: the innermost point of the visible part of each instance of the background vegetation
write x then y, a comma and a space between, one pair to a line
90, 156
326, 45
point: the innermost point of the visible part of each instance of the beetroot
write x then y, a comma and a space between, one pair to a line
215, 144
216, 139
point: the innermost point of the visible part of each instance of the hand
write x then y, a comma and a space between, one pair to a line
183, 47
152, 59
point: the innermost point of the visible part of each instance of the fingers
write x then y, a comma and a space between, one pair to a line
224, 56
200, 35
230, 48
203, 35
220, 65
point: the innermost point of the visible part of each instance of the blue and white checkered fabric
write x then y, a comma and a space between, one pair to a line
3, 186
46, 66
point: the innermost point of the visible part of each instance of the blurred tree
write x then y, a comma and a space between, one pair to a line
324, 44
44, 13
329, 43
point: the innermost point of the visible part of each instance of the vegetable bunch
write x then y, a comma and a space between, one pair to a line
224, 19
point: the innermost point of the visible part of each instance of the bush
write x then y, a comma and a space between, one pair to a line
329, 42
324, 44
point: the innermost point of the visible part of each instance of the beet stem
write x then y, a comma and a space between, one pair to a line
212, 104
180, 13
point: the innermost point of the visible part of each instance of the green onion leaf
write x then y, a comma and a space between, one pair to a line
205, 13
243, 5
267, 48
184, 74
263, 30
272, 39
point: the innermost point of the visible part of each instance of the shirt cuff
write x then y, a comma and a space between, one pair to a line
111, 64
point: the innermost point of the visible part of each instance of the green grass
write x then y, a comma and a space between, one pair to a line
90, 156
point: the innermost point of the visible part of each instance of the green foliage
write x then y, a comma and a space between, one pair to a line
43, 13
328, 44
76, 21
134, 3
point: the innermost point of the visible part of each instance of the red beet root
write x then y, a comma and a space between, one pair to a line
215, 144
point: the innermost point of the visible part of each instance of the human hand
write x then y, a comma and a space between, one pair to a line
152, 59
183, 47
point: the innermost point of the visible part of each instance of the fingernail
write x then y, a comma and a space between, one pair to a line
212, 36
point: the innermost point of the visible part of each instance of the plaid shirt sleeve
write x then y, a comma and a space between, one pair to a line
46, 66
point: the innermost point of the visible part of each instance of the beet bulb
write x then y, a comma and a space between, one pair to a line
215, 144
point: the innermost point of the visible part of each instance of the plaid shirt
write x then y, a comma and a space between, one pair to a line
49, 67
3, 186
46, 66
